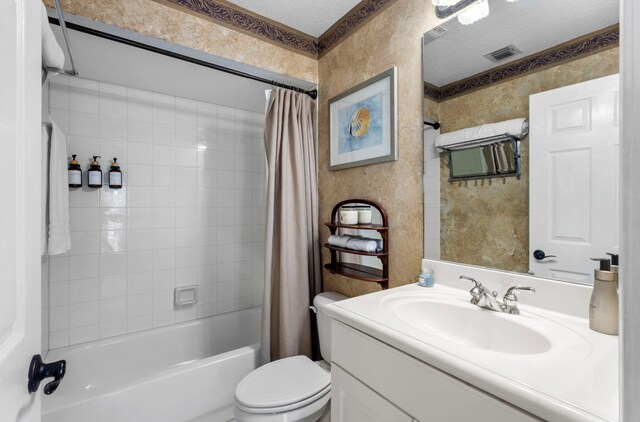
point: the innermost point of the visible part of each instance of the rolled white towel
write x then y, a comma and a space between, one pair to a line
356, 243
52, 53
364, 244
515, 127
339, 241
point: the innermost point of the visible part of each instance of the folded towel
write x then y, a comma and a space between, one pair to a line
515, 127
489, 159
508, 150
52, 53
501, 158
356, 243
59, 230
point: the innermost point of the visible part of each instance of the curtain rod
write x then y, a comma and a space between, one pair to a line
312, 93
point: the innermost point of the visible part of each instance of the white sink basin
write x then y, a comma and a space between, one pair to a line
468, 325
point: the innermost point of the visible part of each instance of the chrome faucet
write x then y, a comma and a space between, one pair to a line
482, 297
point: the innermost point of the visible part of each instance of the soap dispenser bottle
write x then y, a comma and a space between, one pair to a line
614, 264
603, 307
115, 175
75, 173
95, 174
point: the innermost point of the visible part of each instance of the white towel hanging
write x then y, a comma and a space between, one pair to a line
55, 191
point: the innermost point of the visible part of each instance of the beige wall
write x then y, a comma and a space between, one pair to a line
156, 20
488, 225
393, 38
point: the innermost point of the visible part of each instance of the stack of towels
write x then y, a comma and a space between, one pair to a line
356, 243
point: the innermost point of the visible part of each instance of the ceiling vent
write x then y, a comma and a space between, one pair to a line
503, 53
431, 35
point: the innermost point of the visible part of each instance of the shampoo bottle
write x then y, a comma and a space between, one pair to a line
603, 307
115, 175
95, 174
75, 173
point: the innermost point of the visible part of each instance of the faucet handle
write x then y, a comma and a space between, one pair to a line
510, 300
510, 295
476, 282
476, 291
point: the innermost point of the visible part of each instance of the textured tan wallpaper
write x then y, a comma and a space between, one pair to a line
488, 225
393, 38
156, 20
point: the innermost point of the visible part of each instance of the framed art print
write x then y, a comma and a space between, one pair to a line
363, 123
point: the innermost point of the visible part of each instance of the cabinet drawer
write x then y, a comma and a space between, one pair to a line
352, 401
422, 391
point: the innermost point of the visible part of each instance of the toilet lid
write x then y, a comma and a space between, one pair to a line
282, 382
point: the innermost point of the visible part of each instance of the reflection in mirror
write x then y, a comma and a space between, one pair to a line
555, 64
498, 159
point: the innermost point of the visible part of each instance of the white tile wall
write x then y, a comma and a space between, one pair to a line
191, 211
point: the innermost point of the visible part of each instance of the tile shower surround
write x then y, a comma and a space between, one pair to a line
191, 211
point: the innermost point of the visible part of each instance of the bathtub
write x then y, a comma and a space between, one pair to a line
184, 372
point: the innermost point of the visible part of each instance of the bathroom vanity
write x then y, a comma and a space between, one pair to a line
427, 354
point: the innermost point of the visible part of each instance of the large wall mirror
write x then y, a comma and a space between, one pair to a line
556, 64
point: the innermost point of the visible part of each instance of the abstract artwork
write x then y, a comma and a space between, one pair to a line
363, 123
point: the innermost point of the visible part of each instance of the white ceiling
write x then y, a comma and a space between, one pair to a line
530, 25
312, 17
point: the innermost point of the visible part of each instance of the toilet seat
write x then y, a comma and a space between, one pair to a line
290, 407
283, 385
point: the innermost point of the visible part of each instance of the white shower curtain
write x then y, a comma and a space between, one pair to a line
292, 261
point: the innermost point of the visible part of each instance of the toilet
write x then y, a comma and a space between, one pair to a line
294, 389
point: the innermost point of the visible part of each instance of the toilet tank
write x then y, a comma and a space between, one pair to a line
321, 301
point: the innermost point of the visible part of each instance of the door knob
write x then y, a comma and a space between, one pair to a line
540, 255
39, 370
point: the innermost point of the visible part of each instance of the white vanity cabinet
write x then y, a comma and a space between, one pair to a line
372, 381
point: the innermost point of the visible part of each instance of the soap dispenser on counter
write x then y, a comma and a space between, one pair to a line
614, 264
95, 173
603, 307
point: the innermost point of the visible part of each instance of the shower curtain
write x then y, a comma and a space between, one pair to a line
292, 261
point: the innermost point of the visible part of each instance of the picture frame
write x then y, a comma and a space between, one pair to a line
363, 123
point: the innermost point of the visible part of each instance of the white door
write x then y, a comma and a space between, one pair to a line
20, 98
573, 177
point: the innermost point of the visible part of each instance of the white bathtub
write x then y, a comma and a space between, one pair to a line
185, 372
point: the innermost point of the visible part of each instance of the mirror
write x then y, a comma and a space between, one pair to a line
554, 63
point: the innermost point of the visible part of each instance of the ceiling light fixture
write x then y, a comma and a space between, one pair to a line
474, 13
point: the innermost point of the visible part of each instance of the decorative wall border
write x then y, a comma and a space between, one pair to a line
236, 18
239, 19
571, 50
356, 17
